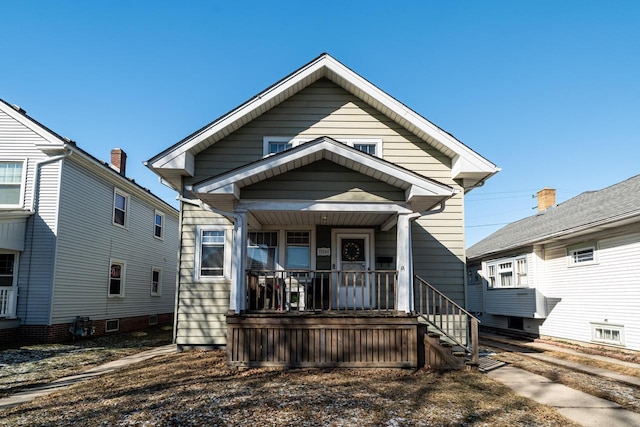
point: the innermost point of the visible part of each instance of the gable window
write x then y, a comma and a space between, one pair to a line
262, 250
11, 183
156, 274
117, 272
366, 148
120, 207
582, 255
507, 273
158, 225
298, 251
277, 144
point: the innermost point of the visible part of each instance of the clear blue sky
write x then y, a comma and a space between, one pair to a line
547, 90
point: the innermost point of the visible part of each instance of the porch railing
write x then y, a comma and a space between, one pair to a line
447, 317
7, 302
321, 290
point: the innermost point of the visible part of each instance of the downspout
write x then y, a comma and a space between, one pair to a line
33, 208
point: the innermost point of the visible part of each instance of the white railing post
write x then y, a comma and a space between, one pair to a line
238, 263
405, 286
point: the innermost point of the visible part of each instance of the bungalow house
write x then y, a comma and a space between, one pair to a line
83, 249
322, 225
570, 272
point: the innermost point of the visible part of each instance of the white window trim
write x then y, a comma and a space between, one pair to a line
157, 213
496, 263
610, 326
123, 279
228, 245
16, 263
571, 250
285, 261
23, 182
297, 141
159, 292
127, 209
282, 242
117, 328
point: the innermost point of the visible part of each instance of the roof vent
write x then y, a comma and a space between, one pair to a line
18, 109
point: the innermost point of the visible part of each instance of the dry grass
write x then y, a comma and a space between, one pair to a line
614, 367
197, 388
32, 365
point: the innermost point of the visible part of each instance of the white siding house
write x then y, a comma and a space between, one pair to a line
80, 244
309, 214
582, 270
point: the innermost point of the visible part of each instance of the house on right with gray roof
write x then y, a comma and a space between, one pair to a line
570, 272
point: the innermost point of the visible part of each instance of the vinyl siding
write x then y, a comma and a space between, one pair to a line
607, 290
18, 142
202, 305
88, 241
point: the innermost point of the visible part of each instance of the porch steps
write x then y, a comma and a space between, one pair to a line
440, 353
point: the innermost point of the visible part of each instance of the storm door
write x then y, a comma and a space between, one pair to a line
354, 275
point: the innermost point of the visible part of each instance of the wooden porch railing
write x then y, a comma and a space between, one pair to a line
449, 318
7, 302
321, 290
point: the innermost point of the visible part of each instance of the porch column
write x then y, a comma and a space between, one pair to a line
404, 293
238, 262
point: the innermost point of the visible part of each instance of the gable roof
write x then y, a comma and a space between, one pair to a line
422, 192
588, 212
178, 160
53, 144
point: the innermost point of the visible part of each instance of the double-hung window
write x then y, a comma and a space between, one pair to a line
158, 226
117, 275
507, 273
11, 183
120, 208
156, 281
212, 256
298, 251
7, 262
262, 250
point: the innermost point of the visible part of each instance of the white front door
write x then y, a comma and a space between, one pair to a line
353, 260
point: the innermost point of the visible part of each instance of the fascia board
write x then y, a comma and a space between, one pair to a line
53, 139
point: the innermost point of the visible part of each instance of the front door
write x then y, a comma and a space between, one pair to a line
353, 255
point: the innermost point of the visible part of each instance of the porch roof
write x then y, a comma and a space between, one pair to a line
421, 193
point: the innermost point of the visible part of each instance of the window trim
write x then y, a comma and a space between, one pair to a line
267, 140
494, 265
123, 278
23, 182
159, 290
127, 204
162, 218
16, 264
287, 244
228, 242
572, 250
611, 327
106, 324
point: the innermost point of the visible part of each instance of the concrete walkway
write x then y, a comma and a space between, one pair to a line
580, 407
31, 393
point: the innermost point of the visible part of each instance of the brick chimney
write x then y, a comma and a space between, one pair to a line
546, 199
119, 161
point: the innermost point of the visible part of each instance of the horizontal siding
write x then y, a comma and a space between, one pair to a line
202, 305
88, 241
607, 290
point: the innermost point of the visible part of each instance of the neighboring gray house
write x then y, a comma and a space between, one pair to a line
313, 216
82, 247
571, 271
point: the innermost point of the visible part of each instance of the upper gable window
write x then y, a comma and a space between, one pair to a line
11, 183
582, 255
120, 208
277, 144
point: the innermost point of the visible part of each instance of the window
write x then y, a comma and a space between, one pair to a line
366, 148
153, 319
262, 250
158, 225
276, 144
507, 273
156, 281
112, 325
473, 278
298, 251
7, 262
582, 255
117, 273
607, 333
120, 207
11, 179
212, 253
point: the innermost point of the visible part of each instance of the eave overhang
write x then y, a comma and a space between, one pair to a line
467, 164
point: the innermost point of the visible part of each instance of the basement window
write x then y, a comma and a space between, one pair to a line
607, 333
112, 325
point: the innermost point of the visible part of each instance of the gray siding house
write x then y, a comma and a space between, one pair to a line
571, 272
82, 247
317, 218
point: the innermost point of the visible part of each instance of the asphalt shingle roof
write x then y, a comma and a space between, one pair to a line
590, 208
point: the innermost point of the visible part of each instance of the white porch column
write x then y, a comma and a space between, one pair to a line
404, 293
238, 262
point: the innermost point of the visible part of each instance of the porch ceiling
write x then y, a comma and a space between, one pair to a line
363, 219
